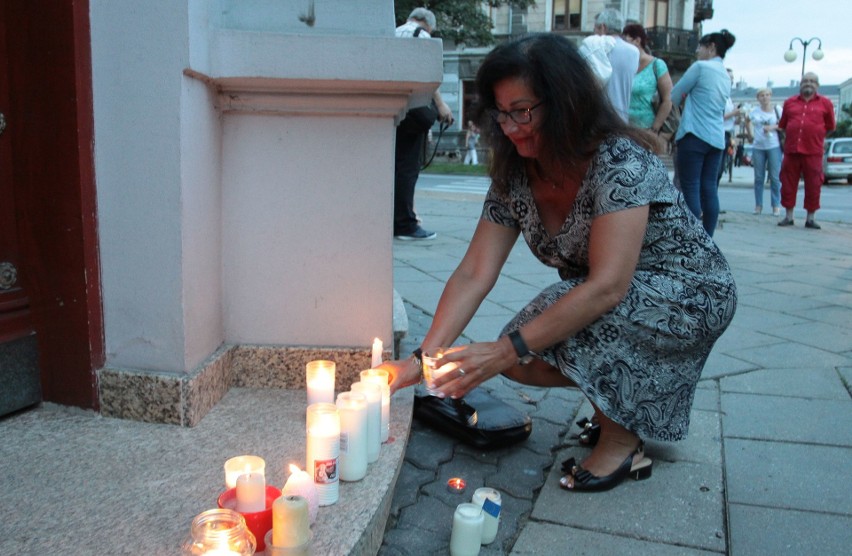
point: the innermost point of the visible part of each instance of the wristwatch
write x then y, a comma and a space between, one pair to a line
418, 358
524, 353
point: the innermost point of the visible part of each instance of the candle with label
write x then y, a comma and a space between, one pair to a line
381, 378
319, 376
490, 501
352, 407
302, 484
323, 450
242, 465
251, 493
374, 417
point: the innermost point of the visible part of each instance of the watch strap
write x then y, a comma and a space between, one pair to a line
519, 344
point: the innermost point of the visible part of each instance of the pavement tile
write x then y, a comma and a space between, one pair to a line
702, 445
427, 449
835, 315
799, 288
407, 491
544, 539
520, 473
761, 318
772, 300
805, 382
720, 364
556, 410
738, 337
758, 531
706, 396
786, 418
681, 503
785, 475
820, 335
789, 354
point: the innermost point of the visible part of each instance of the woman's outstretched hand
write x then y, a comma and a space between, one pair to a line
402, 373
475, 363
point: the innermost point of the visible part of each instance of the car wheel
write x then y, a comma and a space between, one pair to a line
849, 180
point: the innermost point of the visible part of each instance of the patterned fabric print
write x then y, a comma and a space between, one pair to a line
640, 362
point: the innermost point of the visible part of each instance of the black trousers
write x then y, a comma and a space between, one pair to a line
409, 147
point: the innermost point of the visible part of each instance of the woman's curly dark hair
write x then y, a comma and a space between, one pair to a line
575, 117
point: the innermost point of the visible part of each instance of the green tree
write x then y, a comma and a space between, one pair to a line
459, 20
844, 127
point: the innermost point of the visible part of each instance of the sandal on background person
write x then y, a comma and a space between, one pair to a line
583, 480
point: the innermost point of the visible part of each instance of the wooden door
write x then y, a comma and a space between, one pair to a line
48, 230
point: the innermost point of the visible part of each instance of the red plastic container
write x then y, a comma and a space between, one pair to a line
258, 522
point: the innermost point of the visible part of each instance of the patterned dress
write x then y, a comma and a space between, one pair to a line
640, 362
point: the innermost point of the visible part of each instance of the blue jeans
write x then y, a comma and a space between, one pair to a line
761, 160
698, 170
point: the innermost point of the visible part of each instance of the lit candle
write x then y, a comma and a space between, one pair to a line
319, 376
456, 485
290, 526
241, 465
352, 407
323, 450
251, 493
374, 417
301, 484
377, 353
490, 502
381, 377
431, 371
465, 540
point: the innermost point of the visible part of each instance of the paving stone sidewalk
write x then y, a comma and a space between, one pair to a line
765, 468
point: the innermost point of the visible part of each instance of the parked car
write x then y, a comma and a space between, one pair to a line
837, 162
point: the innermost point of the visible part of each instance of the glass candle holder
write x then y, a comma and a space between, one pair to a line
466, 538
432, 371
374, 417
382, 378
352, 407
219, 532
319, 378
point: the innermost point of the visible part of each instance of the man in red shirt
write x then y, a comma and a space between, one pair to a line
806, 119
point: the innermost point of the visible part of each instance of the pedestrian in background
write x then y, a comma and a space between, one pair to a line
410, 137
701, 135
766, 150
471, 138
652, 80
806, 118
624, 59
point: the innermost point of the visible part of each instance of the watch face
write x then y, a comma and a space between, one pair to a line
525, 359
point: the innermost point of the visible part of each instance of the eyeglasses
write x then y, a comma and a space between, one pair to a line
522, 116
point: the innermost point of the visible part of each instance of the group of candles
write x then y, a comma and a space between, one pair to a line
475, 523
343, 435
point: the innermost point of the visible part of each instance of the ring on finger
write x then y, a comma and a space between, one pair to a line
461, 371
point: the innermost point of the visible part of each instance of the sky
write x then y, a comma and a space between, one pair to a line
764, 29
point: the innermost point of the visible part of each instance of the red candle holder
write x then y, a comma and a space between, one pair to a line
259, 523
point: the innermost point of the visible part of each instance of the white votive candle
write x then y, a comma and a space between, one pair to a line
300, 483
382, 378
242, 465
490, 501
466, 538
431, 370
352, 407
323, 450
376, 358
319, 377
251, 493
374, 417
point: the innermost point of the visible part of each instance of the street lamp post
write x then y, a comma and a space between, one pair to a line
818, 54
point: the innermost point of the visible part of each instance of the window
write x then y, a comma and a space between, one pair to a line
566, 14
657, 13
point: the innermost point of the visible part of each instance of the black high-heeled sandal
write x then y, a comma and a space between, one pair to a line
591, 432
586, 481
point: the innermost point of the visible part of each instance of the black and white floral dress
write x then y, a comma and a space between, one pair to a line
640, 362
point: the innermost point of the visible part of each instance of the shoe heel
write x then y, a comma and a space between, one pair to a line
643, 472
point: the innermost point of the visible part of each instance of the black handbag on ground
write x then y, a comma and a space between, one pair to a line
480, 419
